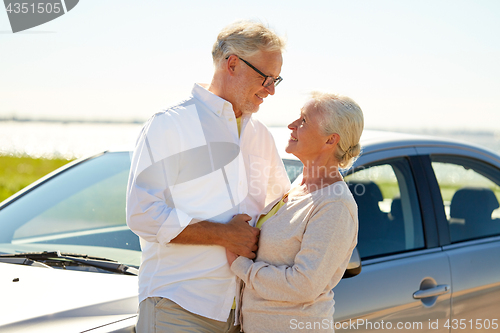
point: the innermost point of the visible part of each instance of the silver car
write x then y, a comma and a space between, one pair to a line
428, 255
429, 238
68, 262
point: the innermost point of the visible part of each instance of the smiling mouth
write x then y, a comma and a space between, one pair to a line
293, 139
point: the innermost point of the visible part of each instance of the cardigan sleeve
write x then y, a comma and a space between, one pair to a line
328, 239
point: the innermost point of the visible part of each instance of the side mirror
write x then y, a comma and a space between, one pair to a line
354, 265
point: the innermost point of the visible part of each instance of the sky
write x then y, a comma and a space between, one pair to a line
414, 65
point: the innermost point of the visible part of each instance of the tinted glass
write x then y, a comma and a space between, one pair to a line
293, 168
81, 210
471, 193
388, 208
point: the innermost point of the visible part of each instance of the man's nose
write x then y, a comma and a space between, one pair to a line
271, 89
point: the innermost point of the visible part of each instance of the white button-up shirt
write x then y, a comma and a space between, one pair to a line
189, 163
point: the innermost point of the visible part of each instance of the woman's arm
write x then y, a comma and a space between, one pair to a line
327, 242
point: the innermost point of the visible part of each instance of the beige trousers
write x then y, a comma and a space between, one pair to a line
161, 315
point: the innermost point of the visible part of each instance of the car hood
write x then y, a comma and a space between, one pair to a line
37, 299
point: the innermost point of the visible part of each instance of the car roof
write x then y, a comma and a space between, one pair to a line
372, 140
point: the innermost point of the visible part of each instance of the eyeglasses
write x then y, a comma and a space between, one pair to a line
268, 80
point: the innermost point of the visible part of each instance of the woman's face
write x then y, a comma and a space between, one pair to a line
307, 140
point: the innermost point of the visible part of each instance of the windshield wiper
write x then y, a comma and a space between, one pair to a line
23, 261
83, 259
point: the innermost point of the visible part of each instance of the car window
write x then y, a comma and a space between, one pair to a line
80, 210
97, 205
471, 193
293, 168
388, 208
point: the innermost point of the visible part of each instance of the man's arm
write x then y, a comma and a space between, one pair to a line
237, 235
150, 210
152, 219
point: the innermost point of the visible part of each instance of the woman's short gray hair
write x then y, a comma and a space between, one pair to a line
245, 39
343, 116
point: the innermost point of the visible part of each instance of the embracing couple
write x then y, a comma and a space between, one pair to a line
228, 245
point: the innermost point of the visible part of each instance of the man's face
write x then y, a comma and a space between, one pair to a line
249, 92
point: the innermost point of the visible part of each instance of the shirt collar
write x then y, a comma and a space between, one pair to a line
213, 102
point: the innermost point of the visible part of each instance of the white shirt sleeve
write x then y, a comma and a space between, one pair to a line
150, 209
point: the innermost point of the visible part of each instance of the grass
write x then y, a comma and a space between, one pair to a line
18, 172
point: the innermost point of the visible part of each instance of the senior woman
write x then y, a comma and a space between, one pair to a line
307, 237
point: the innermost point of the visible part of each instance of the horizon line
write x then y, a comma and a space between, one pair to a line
140, 122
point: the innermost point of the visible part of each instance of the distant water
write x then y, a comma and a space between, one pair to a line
65, 140
74, 140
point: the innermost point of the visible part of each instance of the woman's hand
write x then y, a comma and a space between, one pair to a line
230, 257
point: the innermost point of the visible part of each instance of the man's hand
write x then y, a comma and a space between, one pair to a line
240, 238
236, 235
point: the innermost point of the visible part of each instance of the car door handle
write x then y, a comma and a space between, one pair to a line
432, 292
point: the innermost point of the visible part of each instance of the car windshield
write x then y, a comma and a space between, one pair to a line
81, 210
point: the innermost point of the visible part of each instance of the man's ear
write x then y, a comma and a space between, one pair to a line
232, 60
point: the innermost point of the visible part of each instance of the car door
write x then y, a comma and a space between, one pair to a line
405, 279
469, 190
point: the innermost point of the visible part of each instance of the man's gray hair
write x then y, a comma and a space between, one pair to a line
245, 39
343, 116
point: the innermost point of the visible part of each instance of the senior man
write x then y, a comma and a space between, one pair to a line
195, 166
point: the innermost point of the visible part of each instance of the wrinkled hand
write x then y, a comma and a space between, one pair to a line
240, 237
230, 257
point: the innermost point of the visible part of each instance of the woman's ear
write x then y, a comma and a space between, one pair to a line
333, 139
